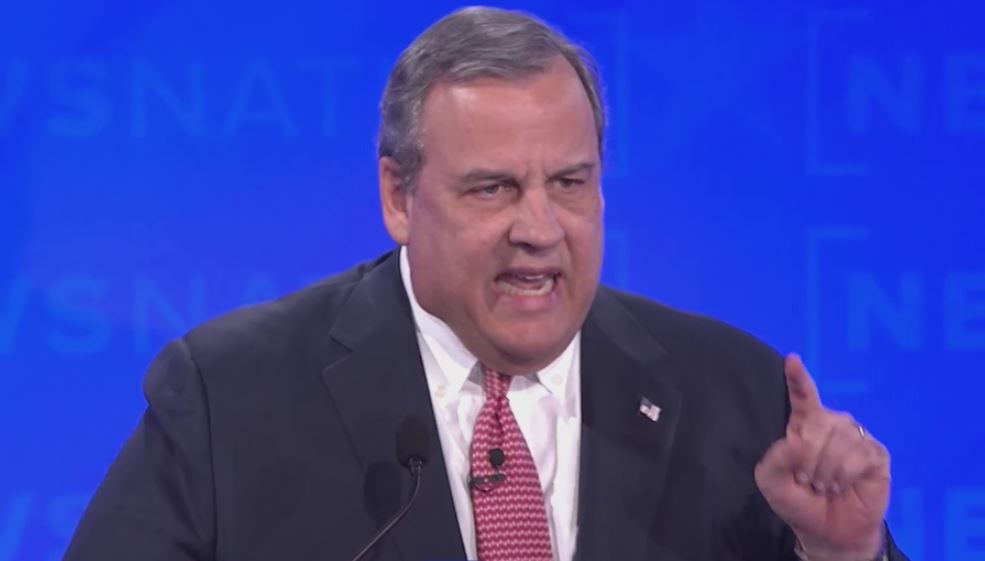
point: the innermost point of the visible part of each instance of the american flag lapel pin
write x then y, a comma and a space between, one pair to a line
649, 409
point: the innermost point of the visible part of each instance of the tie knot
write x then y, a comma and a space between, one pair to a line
496, 383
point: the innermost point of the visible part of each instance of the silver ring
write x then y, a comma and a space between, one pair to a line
861, 431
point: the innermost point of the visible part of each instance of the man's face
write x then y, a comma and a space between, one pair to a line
504, 227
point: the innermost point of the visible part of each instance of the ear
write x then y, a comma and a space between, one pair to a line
395, 200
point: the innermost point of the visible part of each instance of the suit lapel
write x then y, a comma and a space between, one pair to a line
624, 454
376, 379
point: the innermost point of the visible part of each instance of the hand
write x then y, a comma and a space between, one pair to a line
827, 479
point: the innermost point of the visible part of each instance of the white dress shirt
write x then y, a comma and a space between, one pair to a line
547, 407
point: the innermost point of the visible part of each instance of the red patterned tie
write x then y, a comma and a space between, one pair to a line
510, 517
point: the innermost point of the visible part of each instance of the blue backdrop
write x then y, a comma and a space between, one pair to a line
809, 171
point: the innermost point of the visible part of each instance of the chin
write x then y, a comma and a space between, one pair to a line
532, 354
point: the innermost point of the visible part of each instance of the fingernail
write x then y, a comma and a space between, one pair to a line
835, 488
819, 487
802, 478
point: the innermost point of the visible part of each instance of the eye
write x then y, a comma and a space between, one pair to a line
569, 182
491, 190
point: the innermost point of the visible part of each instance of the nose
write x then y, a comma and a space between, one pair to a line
536, 226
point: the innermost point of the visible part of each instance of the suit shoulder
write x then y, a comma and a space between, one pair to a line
691, 334
276, 326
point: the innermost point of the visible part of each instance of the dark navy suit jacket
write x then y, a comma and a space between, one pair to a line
269, 435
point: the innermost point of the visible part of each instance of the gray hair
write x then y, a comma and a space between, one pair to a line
477, 42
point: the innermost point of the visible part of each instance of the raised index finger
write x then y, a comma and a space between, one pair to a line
804, 398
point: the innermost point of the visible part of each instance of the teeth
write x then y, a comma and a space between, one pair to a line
546, 286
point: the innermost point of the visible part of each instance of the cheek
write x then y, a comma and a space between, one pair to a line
585, 237
461, 255
478, 241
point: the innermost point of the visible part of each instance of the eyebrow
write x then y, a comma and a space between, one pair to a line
483, 174
573, 169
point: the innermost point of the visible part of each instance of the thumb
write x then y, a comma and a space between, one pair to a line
776, 478
779, 464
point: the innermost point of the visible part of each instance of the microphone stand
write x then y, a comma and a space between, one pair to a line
416, 466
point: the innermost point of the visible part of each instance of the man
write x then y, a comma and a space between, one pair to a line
573, 421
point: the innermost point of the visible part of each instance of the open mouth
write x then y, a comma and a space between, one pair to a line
516, 283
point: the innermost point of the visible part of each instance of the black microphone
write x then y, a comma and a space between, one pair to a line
486, 483
413, 448
497, 457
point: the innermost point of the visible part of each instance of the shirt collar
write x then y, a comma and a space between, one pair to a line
459, 363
